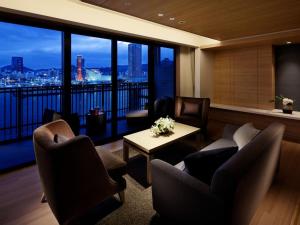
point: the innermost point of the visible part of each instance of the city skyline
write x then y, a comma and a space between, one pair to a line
41, 48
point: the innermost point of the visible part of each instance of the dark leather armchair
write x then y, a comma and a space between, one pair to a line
75, 179
163, 107
236, 190
192, 111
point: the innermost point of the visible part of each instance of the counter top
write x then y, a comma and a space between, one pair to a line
274, 112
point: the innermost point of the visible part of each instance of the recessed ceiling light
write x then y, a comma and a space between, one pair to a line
288, 42
181, 22
160, 14
172, 18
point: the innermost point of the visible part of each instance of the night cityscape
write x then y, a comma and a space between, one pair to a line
31, 76
18, 75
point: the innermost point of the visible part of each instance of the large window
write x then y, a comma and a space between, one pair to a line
91, 77
164, 69
75, 73
30, 77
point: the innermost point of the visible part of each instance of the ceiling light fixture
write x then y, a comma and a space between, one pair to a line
288, 42
160, 14
181, 22
172, 18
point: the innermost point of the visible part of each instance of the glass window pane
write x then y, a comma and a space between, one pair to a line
30, 77
91, 83
132, 81
164, 76
91, 60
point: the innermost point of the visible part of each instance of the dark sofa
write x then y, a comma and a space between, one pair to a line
235, 192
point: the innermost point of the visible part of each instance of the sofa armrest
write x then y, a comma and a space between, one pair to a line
179, 197
229, 130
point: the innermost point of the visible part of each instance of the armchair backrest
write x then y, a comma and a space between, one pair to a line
244, 179
72, 174
200, 117
163, 107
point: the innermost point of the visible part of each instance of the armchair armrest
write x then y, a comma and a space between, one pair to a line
179, 197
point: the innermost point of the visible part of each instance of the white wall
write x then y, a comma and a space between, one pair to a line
77, 12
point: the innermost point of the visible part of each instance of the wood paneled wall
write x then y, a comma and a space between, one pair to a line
244, 77
224, 116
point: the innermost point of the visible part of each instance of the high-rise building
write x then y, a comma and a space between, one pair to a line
134, 60
80, 68
17, 64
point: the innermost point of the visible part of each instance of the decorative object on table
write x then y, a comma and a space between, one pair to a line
95, 123
287, 104
162, 126
95, 111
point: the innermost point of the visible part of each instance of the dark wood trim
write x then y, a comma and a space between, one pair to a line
151, 81
114, 79
66, 68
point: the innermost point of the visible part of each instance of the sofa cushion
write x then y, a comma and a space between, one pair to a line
190, 108
244, 134
203, 164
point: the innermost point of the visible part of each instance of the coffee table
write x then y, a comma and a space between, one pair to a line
146, 144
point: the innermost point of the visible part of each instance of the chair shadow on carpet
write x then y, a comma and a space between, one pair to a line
99, 212
172, 154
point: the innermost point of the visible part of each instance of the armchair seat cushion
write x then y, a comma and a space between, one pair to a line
115, 166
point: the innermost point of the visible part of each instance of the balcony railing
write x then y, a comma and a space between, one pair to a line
21, 108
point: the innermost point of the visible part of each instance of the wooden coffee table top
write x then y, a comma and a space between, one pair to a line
148, 143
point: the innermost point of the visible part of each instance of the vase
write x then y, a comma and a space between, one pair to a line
288, 109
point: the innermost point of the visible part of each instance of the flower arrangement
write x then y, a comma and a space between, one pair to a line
162, 126
287, 104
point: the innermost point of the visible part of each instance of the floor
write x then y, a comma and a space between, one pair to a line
21, 153
20, 192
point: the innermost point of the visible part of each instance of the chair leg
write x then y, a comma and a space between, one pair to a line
43, 199
122, 196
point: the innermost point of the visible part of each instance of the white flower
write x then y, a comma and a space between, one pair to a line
162, 125
286, 101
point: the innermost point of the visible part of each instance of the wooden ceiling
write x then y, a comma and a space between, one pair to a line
217, 19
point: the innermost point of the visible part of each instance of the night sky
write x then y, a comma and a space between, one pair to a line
41, 48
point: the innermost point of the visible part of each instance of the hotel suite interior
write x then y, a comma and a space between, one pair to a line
83, 81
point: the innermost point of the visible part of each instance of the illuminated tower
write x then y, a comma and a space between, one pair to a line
80, 68
134, 60
17, 64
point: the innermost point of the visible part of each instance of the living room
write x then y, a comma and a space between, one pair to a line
221, 78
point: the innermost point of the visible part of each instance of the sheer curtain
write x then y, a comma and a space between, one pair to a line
185, 71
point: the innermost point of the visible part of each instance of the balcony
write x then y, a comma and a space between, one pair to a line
22, 107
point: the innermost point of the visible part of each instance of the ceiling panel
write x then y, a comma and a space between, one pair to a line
217, 19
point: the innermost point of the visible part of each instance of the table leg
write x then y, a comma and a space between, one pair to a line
149, 172
125, 152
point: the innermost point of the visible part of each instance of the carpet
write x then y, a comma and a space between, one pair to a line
137, 209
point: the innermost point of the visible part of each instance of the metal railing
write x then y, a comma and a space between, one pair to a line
22, 108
